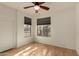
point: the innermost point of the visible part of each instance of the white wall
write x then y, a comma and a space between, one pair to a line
12, 28
34, 23
7, 31
62, 25
20, 29
77, 27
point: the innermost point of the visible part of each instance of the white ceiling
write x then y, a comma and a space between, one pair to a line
52, 5
20, 5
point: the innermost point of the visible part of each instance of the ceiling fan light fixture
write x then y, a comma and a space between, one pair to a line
36, 7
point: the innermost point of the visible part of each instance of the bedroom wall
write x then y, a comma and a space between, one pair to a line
62, 25
7, 28
20, 29
12, 28
77, 27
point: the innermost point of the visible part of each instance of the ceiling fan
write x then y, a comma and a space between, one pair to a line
37, 6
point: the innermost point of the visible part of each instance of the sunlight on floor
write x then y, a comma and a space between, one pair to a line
25, 51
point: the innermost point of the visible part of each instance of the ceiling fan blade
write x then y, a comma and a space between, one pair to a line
28, 7
41, 2
33, 3
38, 3
44, 7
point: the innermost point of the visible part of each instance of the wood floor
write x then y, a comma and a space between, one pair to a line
38, 49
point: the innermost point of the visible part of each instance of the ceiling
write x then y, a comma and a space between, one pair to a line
54, 6
20, 6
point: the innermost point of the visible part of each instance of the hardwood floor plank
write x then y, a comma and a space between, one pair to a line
39, 49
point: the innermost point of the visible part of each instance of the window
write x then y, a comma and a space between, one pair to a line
27, 27
43, 27
27, 30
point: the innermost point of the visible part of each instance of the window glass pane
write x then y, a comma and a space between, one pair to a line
27, 30
43, 27
43, 30
27, 27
